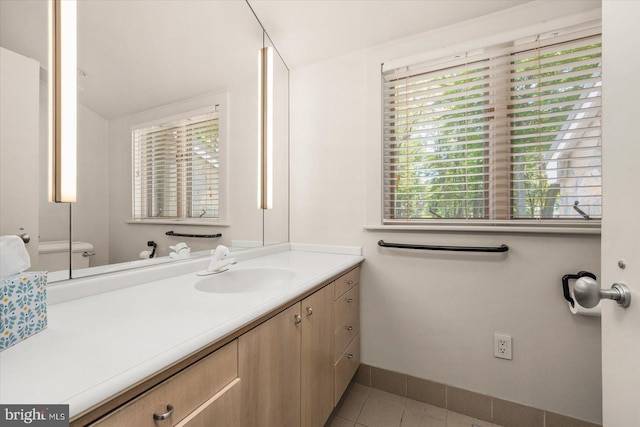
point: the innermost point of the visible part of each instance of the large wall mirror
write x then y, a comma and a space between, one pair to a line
167, 131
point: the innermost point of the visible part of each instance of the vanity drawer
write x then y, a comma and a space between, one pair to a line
346, 367
345, 334
185, 392
347, 306
222, 410
346, 282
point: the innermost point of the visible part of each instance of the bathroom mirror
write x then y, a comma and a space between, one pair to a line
143, 64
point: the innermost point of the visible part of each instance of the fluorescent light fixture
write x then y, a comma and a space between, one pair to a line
265, 148
65, 106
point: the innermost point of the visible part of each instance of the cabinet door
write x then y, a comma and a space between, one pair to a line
317, 357
269, 366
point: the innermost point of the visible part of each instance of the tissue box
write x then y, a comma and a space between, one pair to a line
23, 307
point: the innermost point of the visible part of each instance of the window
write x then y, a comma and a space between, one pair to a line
176, 169
507, 134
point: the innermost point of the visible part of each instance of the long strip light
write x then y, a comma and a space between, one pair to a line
265, 148
64, 57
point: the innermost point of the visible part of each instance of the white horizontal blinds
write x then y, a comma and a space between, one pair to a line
437, 138
176, 169
555, 117
503, 133
203, 170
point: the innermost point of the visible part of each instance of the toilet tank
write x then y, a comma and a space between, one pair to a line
54, 255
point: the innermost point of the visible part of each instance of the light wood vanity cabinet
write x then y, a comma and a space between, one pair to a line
328, 322
288, 371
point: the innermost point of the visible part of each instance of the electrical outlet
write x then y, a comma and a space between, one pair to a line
502, 346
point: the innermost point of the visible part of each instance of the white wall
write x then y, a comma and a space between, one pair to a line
90, 213
433, 315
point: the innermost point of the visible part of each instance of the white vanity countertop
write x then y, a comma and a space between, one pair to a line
98, 345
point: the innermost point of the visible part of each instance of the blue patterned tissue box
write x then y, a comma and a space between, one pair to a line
23, 307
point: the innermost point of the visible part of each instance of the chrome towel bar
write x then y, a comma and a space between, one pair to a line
501, 248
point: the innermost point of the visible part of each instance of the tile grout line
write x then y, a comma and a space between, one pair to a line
406, 397
491, 410
446, 397
362, 407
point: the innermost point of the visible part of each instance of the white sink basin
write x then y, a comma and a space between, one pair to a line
245, 280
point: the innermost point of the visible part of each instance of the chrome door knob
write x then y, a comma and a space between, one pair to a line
588, 293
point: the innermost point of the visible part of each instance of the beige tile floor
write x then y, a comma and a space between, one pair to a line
363, 406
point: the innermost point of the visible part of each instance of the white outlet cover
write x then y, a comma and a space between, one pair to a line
502, 346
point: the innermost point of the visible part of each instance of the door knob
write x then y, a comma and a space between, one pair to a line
588, 293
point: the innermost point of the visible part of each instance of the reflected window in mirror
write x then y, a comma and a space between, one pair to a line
177, 167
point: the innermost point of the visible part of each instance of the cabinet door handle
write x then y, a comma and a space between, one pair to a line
297, 319
349, 300
350, 282
165, 415
309, 311
349, 328
349, 356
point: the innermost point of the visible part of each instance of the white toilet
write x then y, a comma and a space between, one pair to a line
54, 255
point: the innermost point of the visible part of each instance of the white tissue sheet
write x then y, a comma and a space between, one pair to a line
14, 257
580, 310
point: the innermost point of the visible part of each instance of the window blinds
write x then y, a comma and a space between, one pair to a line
509, 133
176, 169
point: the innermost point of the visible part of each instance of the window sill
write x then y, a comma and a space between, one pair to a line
208, 223
490, 228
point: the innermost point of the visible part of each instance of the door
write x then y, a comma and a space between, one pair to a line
621, 213
19, 139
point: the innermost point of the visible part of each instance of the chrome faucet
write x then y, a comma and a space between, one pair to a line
220, 260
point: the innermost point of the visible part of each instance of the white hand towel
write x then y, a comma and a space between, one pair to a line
14, 257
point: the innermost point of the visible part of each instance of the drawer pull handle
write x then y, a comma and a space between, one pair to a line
349, 356
349, 301
297, 319
350, 282
309, 311
165, 415
349, 328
